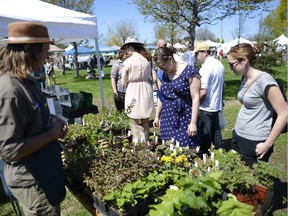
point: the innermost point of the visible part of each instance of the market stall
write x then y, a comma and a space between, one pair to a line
64, 25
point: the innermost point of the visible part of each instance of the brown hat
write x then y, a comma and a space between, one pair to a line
201, 46
132, 39
26, 32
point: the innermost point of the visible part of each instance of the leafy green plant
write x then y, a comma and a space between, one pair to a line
111, 119
265, 173
119, 166
198, 196
233, 207
133, 193
238, 177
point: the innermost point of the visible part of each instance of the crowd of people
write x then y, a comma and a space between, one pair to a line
188, 105
190, 100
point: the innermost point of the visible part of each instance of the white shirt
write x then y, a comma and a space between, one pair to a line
212, 72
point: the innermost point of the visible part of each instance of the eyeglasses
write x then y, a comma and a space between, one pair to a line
233, 64
160, 57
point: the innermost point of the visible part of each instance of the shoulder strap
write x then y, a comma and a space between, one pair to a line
251, 85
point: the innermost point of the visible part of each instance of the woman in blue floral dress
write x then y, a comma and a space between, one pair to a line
177, 114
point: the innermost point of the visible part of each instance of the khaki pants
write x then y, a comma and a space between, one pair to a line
34, 201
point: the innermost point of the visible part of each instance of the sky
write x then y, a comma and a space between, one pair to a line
111, 12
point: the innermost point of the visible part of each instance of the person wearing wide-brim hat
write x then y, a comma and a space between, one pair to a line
29, 134
136, 76
131, 40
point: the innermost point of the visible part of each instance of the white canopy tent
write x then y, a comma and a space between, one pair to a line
239, 40
227, 46
282, 40
179, 46
63, 25
212, 44
54, 48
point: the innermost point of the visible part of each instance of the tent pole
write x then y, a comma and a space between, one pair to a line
99, 70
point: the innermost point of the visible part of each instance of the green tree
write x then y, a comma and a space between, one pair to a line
276, 21
189, 14
263, 35
169, 32
160, 32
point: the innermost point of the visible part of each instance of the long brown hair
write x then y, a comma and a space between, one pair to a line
21, 59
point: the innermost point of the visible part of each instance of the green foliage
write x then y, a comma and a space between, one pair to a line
268, 57
113, 119
119, 165
241, 178
266, 173
130, 194
276, 21
233, 207
198, 196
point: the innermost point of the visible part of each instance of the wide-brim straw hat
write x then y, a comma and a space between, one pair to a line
201, 47
132, 40
24, 32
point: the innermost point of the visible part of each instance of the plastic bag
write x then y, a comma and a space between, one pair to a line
88, 98
222, 120
77, 100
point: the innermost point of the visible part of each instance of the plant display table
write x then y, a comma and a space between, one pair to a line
111, 175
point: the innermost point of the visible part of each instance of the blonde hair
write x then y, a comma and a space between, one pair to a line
20, 59
244, 50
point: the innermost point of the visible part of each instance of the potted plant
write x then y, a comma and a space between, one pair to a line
265, 174
115, 121
239, 178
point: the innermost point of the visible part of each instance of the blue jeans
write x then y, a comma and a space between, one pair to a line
210, 131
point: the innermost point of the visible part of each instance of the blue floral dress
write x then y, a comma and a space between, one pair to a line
176, 108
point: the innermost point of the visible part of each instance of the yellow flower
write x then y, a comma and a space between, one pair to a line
166, 159
182, 159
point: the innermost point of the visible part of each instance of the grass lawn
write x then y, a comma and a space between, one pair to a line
70, 206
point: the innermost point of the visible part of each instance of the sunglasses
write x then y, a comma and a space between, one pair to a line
233, 64
160, 57
197, 53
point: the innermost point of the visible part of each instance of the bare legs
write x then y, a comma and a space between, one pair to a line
140, 129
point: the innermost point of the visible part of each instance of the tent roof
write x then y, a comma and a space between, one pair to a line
54, 48
240, 40
151, 46
104, 48
212, 44
282, 40
178, 46
81, 50
63, 25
